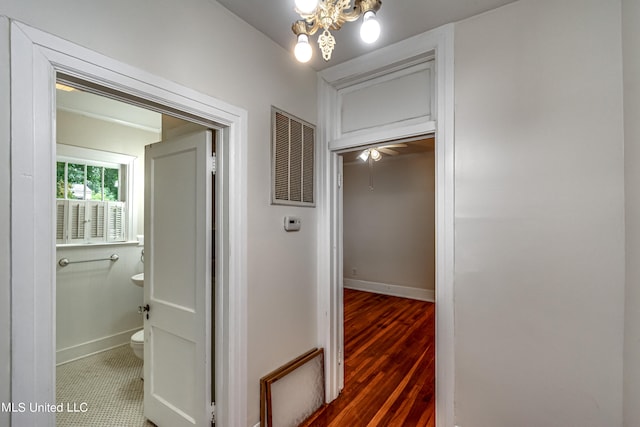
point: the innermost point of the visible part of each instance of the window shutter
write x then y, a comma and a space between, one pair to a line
97, 224
293, 147
61, 211
82, 221
115, 222
77, 221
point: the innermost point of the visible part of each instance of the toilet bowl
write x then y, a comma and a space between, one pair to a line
137, 344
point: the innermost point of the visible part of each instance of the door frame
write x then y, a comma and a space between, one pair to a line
438, 45
36, 57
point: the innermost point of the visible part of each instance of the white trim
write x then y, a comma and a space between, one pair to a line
437, 43
373, 81
5, 215
89, 348
32, 201
328, 279
393, 131
385, 78
419, 294
445, 232
403, 54
35, 58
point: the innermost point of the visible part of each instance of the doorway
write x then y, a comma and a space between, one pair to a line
388, 249
100, 226
388, 216
354, 77
33, 256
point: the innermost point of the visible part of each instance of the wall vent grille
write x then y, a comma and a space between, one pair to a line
293, 151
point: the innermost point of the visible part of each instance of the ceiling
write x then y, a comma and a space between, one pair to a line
100, 107
399, 19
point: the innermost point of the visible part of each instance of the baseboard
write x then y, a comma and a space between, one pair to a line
389, 289
69, 354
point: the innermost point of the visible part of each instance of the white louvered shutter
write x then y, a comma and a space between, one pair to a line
96, 221
61, 211
116, 222
77, 216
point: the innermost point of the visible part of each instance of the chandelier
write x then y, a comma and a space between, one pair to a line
330, 15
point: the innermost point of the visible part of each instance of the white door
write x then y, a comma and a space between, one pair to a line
177, 285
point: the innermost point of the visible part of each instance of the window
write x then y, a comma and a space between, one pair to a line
92, 195
293, 148
87, 181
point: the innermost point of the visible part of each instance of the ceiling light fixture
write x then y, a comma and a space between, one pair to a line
364, 156
330, 15
370, 152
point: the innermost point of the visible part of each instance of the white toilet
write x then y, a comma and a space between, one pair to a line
137, 344
137, 339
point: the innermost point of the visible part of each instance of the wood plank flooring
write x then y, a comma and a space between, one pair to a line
389, 364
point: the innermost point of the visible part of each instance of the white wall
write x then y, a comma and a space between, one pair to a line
97, 304
630, 50
389, 232
201, 45
539, 249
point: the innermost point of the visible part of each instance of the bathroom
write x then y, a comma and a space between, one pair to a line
98, 251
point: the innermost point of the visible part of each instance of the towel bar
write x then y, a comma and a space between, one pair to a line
65, 261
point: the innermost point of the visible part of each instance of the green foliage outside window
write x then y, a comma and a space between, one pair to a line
111, 177
86, 182
60, 180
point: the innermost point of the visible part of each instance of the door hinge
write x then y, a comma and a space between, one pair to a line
212, 412
214, 166
340, 357
339, 180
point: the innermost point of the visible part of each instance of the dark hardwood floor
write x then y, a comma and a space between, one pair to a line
389, 364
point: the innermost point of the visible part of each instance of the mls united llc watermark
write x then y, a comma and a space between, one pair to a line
33, 407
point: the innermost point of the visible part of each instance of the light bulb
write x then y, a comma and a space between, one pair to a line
306, 6
375, 154
370, 29
364, 155
303, 50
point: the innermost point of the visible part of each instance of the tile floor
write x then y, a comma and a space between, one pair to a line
110, 385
